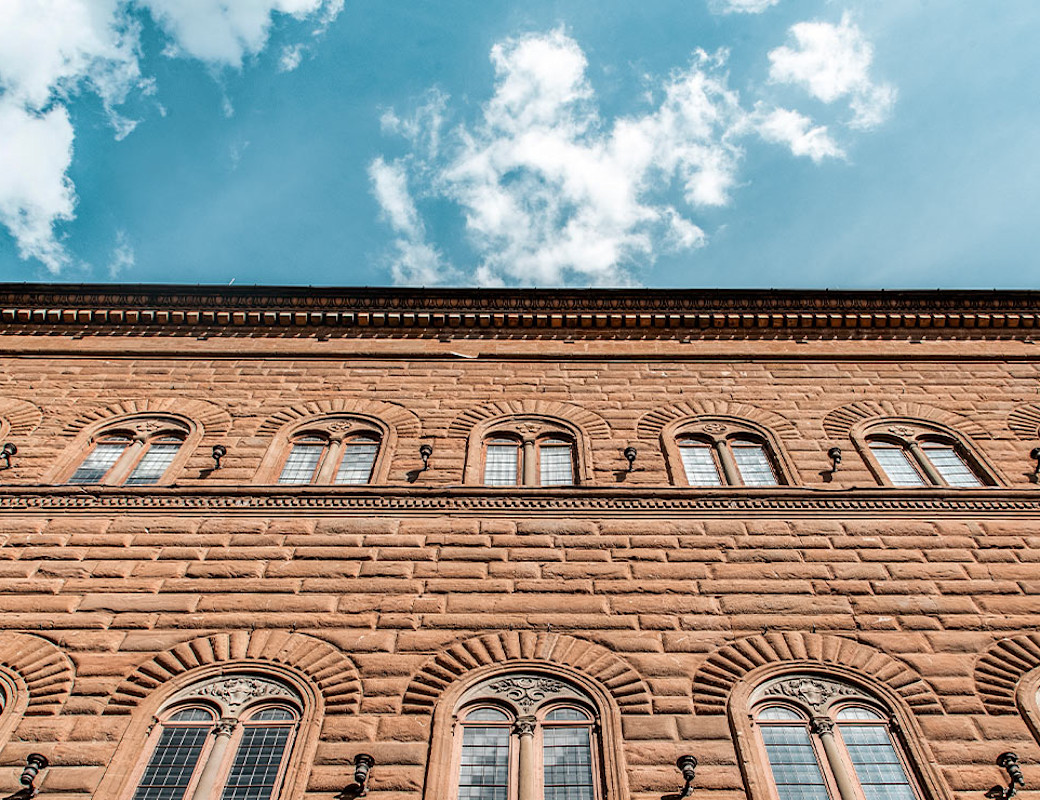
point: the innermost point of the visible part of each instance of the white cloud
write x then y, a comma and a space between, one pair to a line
35, 194
292, 55
53, 50
551, 193
832, 62
123, 256
742, 6
785, 126
415, 263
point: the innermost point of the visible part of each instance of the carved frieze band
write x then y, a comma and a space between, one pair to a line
663, 501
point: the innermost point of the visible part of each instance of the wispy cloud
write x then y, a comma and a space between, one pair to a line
833, 62
53, 50
123, 256
552, 193
741, 6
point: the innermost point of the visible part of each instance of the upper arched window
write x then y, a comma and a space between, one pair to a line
824, 739
329, 451
133, 452
915, 455
529, 452
230, 737
723, 452
526, 735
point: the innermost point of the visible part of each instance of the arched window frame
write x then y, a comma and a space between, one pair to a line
530, 433
747, 695
605, 726
14, 698
1027, 696
138, 743
721, 434
912, 437
140, 433
334, 432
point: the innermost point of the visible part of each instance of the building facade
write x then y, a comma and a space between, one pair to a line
518, 545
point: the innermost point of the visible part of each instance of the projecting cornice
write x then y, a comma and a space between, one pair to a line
292, 310
572, 501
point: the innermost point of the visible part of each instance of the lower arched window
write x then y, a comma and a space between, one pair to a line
229, 738
827, 740
526, 736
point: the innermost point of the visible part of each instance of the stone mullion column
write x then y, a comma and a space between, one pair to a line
121, 469
729, 466
824, 728
223, 731
527, 779
530, 473
330, 464
925, 464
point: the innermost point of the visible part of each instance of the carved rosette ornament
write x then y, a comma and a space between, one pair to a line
714, 427
525, 691
812, 692
235, 692
901, 430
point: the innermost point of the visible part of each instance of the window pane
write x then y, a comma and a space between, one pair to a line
153, 464
100, 460
191, 715
699, 464
948, 463
356, 466
500, 465
796, 771
268, 714
487, 715
898, 466
302, 462
556, 464
778, 712
568, 714
567, 754
484, 766
753, 464
256, 764
876, 762
172, 763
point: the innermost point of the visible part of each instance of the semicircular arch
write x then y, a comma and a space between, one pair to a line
1023, 421
724, 668
21, 416
334, 674
840, 421
47, 672
653, 423
405, 423
210, 417
623, 683
1001, 667
587, 422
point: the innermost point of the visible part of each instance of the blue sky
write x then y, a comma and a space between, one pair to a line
687, 143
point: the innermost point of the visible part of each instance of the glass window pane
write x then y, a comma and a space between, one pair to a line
302, 462
173, 762
948, 463
153, 464
358, 459
500, 464
753, 464
191, 715
272, 714
487, 715
778, 712
254, 771
557, 466
876, 762
484, 765
569, 714
99, 461
699, 464
796, 770
567, 759
898, 465
857, 712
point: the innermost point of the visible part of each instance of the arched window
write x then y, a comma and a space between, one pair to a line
230, 738
328, 451
914, 455
133, 452
529, 454
716, 452
824, 739
526, 735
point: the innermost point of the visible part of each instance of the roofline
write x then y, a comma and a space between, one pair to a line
67, 305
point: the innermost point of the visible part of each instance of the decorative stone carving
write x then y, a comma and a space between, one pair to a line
526, 691
901, 430
714, 427
813, 692
236, 691
823, 725
524, 726
225, 726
